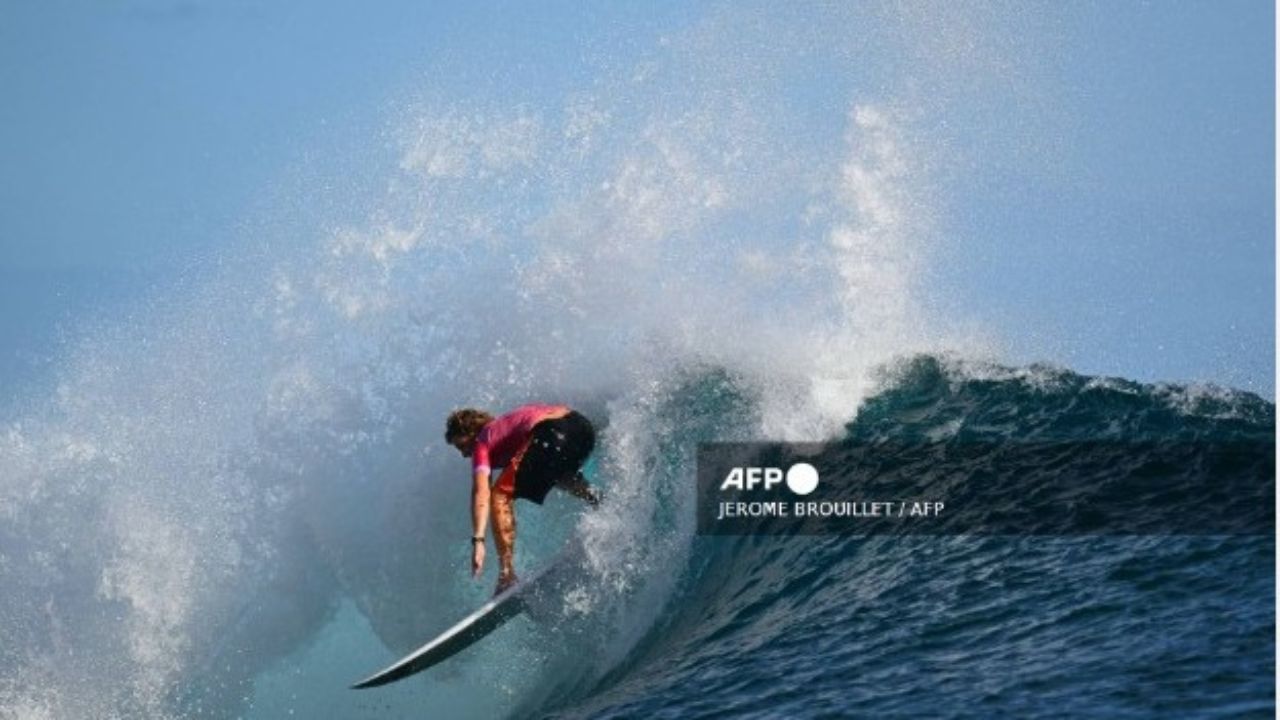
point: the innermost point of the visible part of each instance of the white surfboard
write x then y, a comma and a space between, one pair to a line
491, 616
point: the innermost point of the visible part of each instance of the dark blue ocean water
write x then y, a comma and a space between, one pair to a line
1172, 623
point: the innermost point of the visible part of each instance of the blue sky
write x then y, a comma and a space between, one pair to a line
1157, 245
1135, 238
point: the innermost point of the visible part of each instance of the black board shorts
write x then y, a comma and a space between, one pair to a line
557, 449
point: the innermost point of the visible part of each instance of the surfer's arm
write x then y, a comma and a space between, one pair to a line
480, 502
479, 517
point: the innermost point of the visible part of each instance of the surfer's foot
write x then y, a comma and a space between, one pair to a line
577, 486
505, 581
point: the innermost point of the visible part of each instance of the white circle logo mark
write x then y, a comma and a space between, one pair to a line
802, 478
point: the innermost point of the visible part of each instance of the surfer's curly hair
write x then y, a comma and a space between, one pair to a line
465, 423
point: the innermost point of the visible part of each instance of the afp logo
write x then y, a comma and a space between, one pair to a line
801, 478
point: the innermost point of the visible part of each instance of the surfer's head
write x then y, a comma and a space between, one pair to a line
463, 425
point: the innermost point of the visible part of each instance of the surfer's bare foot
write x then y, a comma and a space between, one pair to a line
505, 581
578, 487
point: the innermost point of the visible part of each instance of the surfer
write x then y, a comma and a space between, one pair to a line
538, 447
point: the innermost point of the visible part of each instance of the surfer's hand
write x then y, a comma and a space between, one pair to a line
477, 559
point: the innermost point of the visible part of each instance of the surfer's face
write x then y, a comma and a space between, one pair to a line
465, 445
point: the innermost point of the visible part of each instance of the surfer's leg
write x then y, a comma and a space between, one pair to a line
577, 486
503, 514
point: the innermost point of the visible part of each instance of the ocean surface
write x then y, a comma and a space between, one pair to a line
1058, 620
224, 491
657, 621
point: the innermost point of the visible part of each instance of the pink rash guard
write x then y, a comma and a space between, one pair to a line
499, 442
